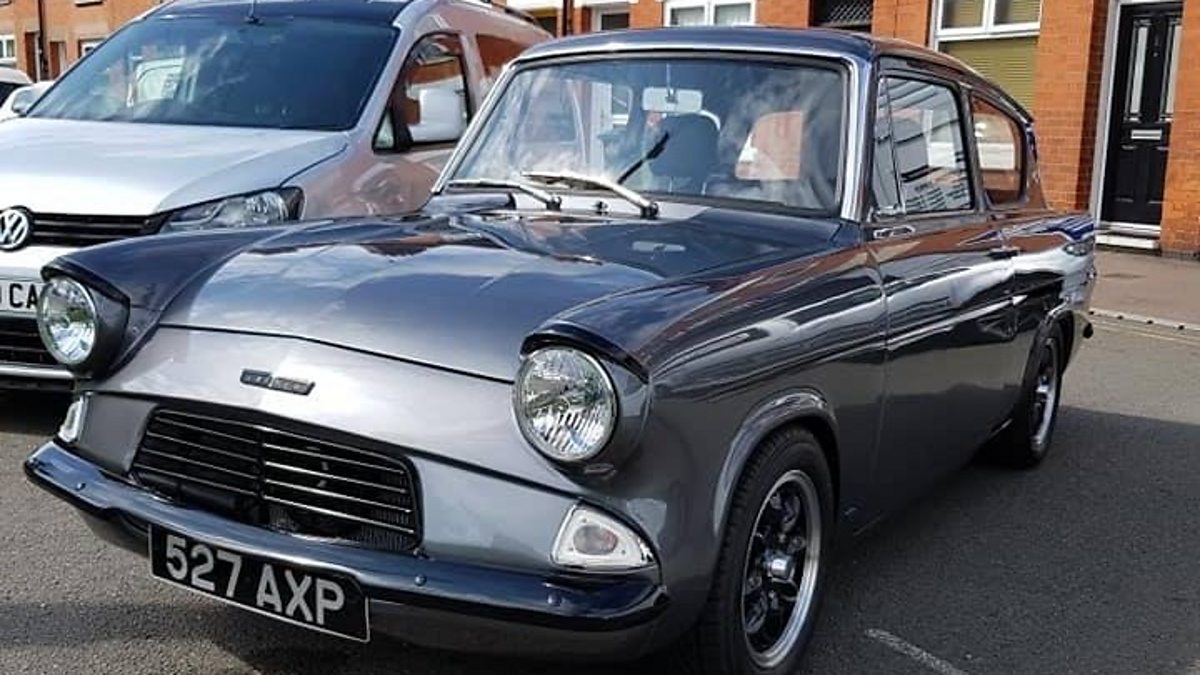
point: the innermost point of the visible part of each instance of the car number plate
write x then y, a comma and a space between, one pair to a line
324, 602
19, 297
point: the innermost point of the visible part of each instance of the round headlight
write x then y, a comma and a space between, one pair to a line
67, 320
565, 403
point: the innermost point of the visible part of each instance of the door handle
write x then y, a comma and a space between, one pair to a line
1004, 252
892, 232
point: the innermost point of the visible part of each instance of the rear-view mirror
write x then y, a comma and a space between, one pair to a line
672, 101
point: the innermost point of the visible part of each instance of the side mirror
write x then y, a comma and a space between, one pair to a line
22, 102
443, 116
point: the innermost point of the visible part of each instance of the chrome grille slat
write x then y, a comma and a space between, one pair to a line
337, 514
328, 476
335, 495
252, 471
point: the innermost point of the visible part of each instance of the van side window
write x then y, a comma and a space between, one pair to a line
429, 103
1001, 153
930, 149
495, 52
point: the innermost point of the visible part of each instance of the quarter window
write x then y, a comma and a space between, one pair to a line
930, 157
429, 103
1001, 153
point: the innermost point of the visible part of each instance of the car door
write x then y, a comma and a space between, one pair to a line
947, 283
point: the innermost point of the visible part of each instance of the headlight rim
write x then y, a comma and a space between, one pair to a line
93, 310
534, 438
112, 320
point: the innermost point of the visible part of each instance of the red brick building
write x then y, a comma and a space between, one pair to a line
1114, 84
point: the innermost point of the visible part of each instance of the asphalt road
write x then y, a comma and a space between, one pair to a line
1090, 564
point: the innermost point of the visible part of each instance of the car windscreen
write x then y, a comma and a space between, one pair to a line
277, 72
6, 90
727, 129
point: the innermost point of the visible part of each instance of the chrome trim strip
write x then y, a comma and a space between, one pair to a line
45, 373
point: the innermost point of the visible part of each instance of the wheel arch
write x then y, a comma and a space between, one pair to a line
805, 408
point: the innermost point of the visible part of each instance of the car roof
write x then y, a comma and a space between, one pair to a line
13, 76
861, 47
371, 11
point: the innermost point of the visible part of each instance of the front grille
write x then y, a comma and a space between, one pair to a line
70, 230
254, 472
20, 343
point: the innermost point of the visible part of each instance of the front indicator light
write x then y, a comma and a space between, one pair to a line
592, 541
72, 426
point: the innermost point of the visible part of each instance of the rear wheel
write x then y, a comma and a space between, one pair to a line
1027, 439
763, 604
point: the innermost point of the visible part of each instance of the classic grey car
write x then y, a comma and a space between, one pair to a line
691, 307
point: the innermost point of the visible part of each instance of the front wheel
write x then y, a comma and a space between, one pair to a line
769, 580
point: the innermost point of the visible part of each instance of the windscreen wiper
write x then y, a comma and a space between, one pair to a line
552, 201
648, 207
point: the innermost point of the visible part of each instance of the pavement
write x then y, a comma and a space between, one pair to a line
1142, 286
1086, 565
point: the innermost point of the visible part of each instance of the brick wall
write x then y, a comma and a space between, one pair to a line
1067, 97
1181, 213
788, 13
645, 14
904, 19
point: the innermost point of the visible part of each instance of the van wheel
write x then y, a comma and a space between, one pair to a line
1026, 440
770, 576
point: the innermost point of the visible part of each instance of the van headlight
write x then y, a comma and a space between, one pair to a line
270, 207
565, 403
68, 321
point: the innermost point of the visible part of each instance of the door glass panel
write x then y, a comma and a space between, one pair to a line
930, 158
1018, 11
1001, 153
1137, 71
731, 15
885, 190
1173, 40
687, 16
962, 13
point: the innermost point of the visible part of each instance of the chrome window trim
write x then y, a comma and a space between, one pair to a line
854, 159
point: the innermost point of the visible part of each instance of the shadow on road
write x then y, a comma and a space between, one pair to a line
32, 413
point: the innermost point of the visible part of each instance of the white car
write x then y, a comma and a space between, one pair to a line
10, 80
22, 99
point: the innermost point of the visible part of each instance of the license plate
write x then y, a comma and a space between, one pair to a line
324, 602
19, 297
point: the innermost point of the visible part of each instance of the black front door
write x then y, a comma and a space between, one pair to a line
1143, 104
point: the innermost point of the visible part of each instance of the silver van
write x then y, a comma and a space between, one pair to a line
206, 114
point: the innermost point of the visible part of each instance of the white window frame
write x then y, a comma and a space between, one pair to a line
710, 8
86, 45
9, 61
988, 29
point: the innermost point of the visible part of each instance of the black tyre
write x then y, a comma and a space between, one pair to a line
1027, 439
770, 575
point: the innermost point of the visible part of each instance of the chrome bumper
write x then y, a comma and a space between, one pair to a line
447, 604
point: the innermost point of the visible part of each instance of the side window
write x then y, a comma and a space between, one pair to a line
885, 188
1001, 153
930, 152
495, 52
429, 103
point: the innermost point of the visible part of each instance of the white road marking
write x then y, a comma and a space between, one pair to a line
913, 652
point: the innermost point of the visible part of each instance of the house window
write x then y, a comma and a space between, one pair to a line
709, 13
86, 46
610, 18
8, 50
997, 37
848, 14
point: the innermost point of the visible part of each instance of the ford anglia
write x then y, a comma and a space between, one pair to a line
689, 308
